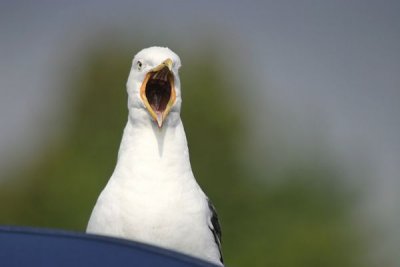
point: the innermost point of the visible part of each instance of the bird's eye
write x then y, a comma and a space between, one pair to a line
139, 65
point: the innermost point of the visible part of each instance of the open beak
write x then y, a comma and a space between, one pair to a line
158, 91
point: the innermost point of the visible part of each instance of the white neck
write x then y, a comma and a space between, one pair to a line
148, 152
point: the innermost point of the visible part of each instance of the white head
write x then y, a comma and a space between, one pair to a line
153, 86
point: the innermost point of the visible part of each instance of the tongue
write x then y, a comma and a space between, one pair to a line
156, 101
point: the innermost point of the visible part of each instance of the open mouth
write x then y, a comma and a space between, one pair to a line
158, 91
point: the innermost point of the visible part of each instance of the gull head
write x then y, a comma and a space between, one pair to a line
154, 87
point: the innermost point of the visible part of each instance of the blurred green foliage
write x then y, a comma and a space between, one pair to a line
302, 221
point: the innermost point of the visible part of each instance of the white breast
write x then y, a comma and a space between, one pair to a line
152, 196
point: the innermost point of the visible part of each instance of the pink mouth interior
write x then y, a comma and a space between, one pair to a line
158, 90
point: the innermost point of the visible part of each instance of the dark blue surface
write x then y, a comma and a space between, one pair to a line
21, 246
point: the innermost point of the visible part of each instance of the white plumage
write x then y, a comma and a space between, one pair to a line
152, 196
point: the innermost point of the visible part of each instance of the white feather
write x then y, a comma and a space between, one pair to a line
152, 196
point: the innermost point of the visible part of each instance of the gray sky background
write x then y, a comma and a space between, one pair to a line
326, 66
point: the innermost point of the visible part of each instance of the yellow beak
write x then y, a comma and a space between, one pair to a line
166, 63
158, 91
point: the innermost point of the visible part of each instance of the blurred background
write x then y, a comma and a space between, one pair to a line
291, 109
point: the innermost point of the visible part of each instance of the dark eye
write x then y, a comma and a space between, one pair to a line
139, 65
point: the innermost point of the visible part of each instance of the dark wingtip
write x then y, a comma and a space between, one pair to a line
217, 233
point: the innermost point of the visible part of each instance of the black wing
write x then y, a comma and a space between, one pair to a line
215, 228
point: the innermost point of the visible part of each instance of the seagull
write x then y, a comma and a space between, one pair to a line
152, 195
